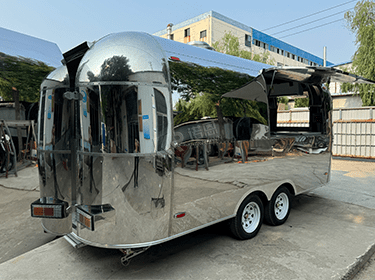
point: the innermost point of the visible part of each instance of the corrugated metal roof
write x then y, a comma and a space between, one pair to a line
18, 44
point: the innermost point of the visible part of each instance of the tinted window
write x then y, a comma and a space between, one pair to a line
162, 119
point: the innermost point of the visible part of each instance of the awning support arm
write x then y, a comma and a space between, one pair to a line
273, 78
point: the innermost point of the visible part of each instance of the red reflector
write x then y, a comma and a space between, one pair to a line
179, 215
48, 212
174, 58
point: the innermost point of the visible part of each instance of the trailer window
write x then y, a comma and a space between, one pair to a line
131, 106
119, 106
93, 108
162, 119
42, 114
58, 107
306, 113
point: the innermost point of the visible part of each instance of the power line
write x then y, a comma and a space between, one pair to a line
312, 28
309, 15
309, 22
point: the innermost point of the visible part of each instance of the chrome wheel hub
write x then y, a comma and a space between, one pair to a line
250, 217
281, 207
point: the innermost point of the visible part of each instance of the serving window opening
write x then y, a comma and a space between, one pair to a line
309, 115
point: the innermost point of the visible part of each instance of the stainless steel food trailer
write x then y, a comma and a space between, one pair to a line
116, 173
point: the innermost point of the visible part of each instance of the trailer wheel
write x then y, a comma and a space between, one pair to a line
249, 218
278, 208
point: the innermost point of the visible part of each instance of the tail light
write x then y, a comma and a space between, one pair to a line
48, 207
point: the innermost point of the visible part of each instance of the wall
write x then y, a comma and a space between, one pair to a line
195, 29
346, 101
219, 28
353, 129
217, 24
216, 30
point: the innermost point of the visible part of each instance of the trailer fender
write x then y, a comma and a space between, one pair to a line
265, 193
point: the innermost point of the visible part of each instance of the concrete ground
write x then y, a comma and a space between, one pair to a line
362, 173
26, 179
18, 232
330, 234
368, 270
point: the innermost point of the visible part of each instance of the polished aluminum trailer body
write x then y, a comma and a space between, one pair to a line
124, 177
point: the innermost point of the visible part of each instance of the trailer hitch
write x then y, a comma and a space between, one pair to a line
131, 253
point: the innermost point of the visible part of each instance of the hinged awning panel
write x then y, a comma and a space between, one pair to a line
293, 76
255, 90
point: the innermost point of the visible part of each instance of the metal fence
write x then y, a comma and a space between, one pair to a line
295, 118
353, 129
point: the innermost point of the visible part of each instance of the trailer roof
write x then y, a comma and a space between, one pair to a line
18, 44
210, 58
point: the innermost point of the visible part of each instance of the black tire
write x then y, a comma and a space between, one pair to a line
249, 218
277, 209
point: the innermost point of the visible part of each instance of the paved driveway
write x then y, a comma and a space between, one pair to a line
329, 232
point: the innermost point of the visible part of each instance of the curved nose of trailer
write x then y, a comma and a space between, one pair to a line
125, 130
117, 129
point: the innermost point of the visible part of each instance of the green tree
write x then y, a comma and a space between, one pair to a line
230, 44
361, 22
190, 80
198, 107
201, 89
24, 74
301, 102
283, 100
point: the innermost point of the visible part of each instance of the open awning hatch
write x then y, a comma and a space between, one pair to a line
289, 80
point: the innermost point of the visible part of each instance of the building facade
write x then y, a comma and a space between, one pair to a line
210, 27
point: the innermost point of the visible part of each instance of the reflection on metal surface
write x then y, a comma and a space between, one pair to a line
54, 156
204, 129
108, 146
254, 90
124, 57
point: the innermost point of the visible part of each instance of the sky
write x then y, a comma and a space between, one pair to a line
69, 23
